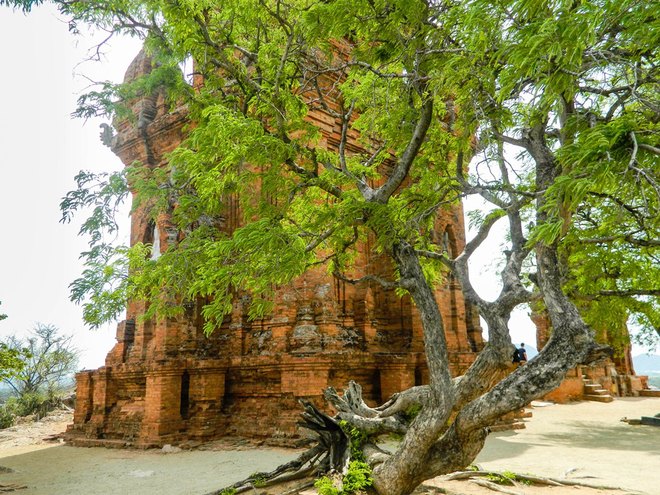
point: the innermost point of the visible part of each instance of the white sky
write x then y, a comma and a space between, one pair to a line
41, 150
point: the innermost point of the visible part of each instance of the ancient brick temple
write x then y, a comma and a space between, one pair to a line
599, 381
166, 382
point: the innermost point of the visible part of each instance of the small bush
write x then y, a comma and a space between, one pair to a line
357, 479
325, 486
357, 438
30, 403
7, 417
37, 403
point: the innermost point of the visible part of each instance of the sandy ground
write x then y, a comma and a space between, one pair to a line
584, 441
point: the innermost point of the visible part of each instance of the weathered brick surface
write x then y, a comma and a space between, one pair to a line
165, 381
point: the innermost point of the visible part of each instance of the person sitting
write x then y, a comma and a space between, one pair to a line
520, 355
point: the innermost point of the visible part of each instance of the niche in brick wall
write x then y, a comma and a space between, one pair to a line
184, 407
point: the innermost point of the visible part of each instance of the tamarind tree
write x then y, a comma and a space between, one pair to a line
567, 87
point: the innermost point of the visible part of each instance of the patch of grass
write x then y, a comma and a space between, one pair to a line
325, 486
500, 479
357, 479
507, 478
258, 479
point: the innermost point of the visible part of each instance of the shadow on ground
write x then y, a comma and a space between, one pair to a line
596, 436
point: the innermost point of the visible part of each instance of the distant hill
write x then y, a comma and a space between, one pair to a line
647, 364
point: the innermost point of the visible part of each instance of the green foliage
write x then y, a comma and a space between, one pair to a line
102, 288
411, 413
581, 72
325, 486
357, 478
38, 403
48, 360
500, 479
357, 438
104, 194
24, 5
549, 65
507, 478
12, 360
36, 369
7, 417
258, 479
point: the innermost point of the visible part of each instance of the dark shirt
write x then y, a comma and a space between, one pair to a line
520, 355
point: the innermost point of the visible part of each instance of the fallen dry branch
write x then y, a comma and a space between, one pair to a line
511, 478
591, 485
537, 480
299, 488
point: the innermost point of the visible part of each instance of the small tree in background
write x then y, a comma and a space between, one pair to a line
44, 363
12, 359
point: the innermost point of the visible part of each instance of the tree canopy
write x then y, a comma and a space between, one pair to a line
582, 71
569, 89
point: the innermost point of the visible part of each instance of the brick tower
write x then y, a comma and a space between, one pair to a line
166, 382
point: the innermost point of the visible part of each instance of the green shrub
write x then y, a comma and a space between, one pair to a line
37, 403
355, 480
357, 439
358, 477
325, 486
7, 417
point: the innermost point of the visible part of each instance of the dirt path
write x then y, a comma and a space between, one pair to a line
584, 441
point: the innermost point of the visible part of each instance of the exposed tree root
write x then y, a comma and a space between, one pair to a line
434, 490
493, 486
299, 488
330, 454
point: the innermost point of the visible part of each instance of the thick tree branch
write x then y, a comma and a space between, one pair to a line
383, 193
629, 293
650, 148
521, 143
388, 284
460, 264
